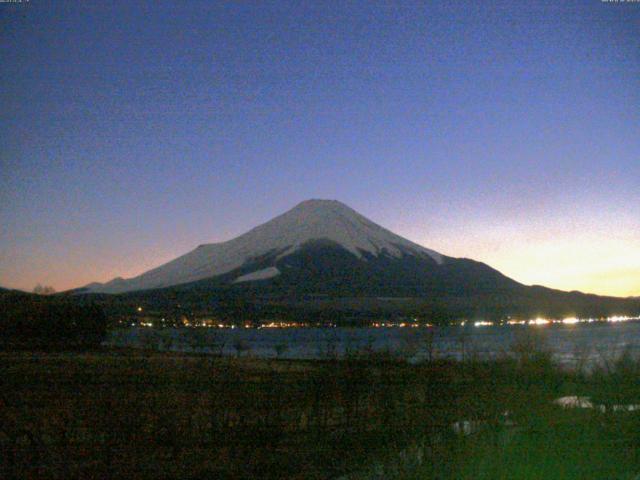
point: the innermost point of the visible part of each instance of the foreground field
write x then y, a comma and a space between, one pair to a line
124, 414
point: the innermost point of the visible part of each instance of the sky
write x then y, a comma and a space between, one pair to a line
506, 132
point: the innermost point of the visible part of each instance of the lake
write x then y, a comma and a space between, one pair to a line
571, 345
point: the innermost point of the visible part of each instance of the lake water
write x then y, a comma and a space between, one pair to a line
571, 345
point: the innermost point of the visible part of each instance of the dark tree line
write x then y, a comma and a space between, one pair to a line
28, 321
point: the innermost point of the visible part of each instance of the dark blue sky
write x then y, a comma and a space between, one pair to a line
508, 132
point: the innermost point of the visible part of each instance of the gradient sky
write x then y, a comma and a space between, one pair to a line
507, 132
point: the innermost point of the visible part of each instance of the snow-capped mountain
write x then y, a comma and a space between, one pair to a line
308, 223
322, 258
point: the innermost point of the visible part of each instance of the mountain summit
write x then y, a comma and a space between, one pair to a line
309, 222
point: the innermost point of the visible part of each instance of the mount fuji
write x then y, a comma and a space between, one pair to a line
313, 228
322, 254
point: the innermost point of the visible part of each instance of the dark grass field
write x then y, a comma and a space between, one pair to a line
125, 414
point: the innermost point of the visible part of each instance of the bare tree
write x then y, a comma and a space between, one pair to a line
280, 348
43, 290
429, 339
241, 345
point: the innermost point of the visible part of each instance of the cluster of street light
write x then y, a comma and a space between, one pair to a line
563, 321
538, 321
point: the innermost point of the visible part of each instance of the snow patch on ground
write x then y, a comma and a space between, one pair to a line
573, 401
585, 402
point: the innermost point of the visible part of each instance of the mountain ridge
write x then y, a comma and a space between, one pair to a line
322, 260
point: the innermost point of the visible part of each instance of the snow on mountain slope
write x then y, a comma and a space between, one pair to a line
263, 274
309, 220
